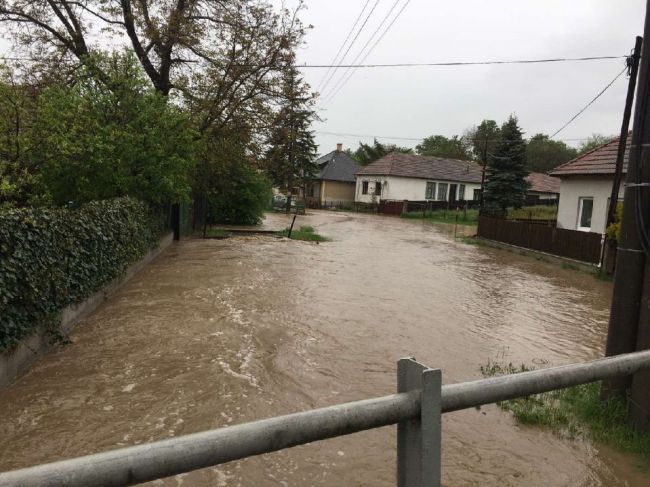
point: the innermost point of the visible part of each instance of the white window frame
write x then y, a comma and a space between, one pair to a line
365, 187
461, 192
434, 185
581, 201
446, 195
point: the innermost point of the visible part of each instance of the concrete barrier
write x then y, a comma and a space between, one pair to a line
16, 362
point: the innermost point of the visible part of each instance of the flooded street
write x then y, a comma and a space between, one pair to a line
218, 332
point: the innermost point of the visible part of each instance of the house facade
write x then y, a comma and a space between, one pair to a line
586, 186
334, 185
412, 177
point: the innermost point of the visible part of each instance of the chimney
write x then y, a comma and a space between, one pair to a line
339, 147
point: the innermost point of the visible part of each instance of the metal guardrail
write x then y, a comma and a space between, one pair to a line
416, 409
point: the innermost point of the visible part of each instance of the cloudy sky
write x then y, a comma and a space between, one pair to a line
414, 102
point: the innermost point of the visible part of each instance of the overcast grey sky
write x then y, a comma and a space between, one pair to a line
419, 101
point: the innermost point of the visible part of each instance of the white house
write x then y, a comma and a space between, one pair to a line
417, 178
586, 186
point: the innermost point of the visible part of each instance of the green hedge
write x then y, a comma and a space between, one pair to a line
50, 258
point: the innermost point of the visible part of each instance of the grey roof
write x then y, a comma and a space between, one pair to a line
337, 166
424, 167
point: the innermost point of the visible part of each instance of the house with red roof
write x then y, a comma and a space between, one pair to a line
586, 186
412, 177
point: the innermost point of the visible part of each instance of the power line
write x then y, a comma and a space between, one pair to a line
347, 38
590, 103
351, 44
392, 65
371, 49
370, 39
418, 139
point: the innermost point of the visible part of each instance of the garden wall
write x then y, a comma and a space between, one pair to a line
57, 266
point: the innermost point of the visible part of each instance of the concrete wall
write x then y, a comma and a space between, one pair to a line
399, 188
336, 192
574, 188
15, 363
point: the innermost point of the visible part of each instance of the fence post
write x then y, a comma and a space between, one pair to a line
419, 440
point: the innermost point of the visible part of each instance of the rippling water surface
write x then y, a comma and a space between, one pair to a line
218, 332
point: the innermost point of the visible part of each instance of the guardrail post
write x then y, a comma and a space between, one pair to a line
418, 440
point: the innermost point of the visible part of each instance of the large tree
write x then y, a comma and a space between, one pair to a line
483, 139
169, 37
367, 153
454, 147
593, 142
543, 154
93, 139
290, 157
506, 184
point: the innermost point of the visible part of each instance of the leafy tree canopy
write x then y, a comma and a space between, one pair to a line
543, 154
454, 147
96, 140
483, 139
367, 153
593, 142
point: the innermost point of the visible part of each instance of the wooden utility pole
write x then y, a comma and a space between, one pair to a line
633, 64
631, 258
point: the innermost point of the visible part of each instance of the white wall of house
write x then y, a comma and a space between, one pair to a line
575, 189
412, 189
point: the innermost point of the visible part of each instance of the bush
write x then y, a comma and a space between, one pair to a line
50, 258
243, 200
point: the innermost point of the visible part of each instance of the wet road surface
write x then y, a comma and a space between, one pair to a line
218, 332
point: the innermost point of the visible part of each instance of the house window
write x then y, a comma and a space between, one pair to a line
585, 210
442, 191
461, 192
377, 188
477, 194
431, 191
364, 187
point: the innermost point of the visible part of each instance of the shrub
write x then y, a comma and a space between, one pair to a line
243, 200
50, 258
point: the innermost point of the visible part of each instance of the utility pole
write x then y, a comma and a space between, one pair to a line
631, 258
633, 65
484, 157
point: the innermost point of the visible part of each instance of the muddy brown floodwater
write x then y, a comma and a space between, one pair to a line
218, 332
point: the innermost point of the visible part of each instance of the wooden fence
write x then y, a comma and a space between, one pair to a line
583, 246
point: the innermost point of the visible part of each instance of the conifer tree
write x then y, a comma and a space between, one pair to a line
290, 158
506, 184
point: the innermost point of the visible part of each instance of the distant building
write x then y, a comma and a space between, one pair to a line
398, 176
586, 186
335, 182
544, 189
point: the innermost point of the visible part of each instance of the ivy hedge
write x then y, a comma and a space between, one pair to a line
53, 257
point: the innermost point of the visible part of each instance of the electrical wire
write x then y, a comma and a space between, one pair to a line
352, 43
371, 49
347, 38
590, 103
371, 38
392, 65
419, 139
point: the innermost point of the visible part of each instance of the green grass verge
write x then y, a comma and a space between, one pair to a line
533, 213
576, 412
306, 233
215, 233
445, 216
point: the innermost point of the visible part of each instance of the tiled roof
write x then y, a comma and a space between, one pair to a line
337, 166
542, 183
423, 167
599, 161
